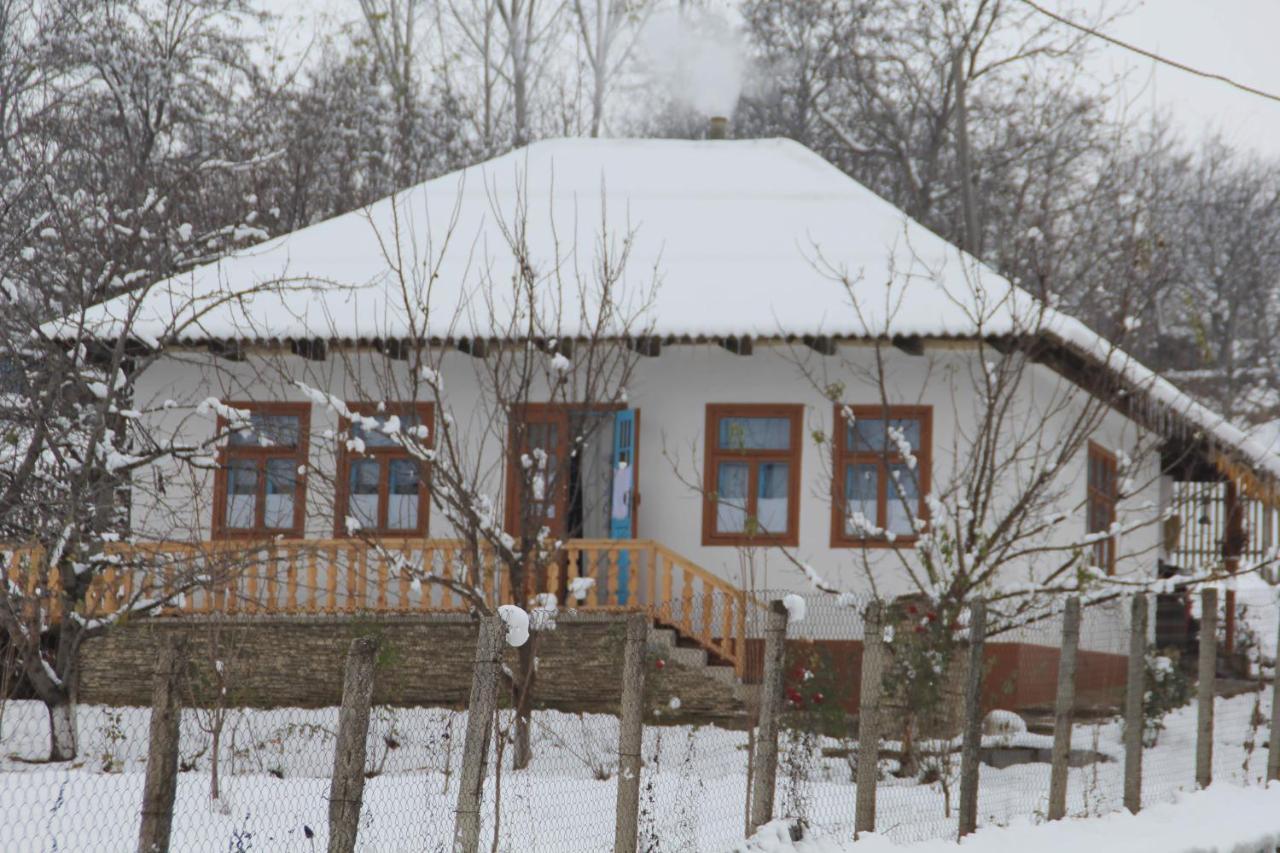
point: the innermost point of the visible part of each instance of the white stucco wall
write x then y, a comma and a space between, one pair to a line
671, 393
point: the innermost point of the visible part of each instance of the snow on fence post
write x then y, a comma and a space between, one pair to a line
869, 719
1135, 688
346, 788
1273, 754
630, 735
765, 772
161, 785
972, 719
1062, 712
480, 710
1206, 686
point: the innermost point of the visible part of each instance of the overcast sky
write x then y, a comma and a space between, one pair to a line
1237, 38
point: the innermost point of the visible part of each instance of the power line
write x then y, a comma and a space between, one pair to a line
1209, 75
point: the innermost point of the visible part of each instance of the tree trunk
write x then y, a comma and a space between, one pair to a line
62, 729
213, 760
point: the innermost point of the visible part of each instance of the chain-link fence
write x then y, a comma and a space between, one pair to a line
255, 777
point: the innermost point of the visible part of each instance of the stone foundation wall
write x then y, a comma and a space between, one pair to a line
423, 661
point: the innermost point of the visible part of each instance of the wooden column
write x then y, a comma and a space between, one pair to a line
1062, 713
346, 788
630, 735
1233, 543
1206, 686
1135, 688
972, 719
160, 787
480, 709
766, 756
869, 719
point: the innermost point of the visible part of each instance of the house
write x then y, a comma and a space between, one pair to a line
807, 381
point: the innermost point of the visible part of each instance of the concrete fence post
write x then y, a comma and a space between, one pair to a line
1135, 688
765, 773
869, 719
480, 710
161, 784
630, 735
346, 788
972, 740
1063, 708
1206, 687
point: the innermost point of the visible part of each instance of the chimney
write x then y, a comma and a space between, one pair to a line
718, 128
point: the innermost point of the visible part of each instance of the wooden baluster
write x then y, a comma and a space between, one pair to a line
667, 591
613, 593
126, 587
651, 571
708, 603
600, 589
331, 571
447, 564
726, 627
383, 580
575, 565
273, 579
686, 600
312, 587
111, 601
255, 566
53, 592
486, 580
633, 577
362, 575
353, 582
553, 577
291, 581
741, 641
402, 605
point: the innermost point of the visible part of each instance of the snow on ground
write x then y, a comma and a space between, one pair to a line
1220, 819
275, 766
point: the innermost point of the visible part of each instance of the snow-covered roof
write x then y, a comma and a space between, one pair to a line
744, 238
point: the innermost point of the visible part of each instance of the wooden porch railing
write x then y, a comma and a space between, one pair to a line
392, 576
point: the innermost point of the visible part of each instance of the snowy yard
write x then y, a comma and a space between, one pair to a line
275, 766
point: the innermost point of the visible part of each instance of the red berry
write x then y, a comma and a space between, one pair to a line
660, 663
817, 698
911, 609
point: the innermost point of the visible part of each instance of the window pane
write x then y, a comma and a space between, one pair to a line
370, 429
771, 500
902, 500
268, 431
242, 493
755, 433
869, 434
362, 492
731, 494
282, 483
403, 494
860, 485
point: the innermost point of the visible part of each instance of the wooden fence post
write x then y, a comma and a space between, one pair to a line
161, 785
1273, 753
480, 710
630, 735
1135, 688
1062, 712
346, 788
972, 719
765, 773
869, 719
1206, 687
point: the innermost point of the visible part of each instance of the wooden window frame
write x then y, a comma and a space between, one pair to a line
714, 455
1104, 550
842, 456
227, 453
539, 413
426, 415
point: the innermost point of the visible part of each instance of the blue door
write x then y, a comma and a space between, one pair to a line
624, 481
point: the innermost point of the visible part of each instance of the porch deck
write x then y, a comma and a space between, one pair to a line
391, 576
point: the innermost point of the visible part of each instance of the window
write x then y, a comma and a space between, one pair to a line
1101, 505
260, 487
882, 458
752, 475
381, 485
